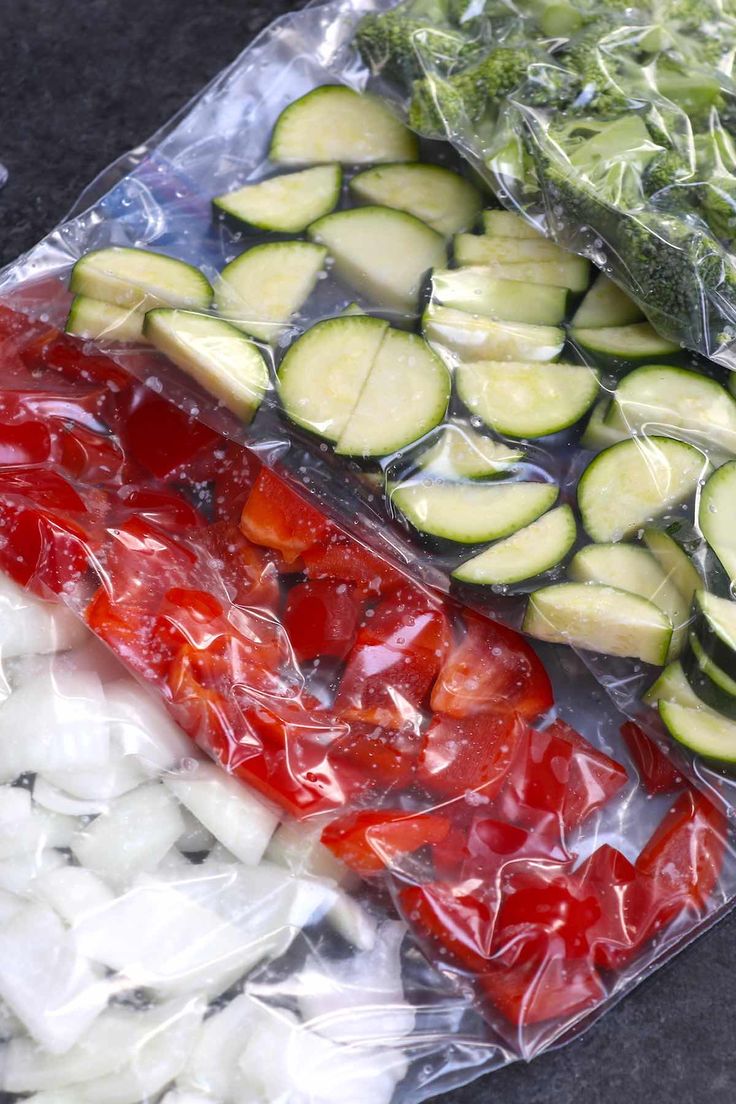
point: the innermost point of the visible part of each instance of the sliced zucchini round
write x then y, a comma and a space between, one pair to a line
605, 305
471, 513
711, 684
322, 375
404, 396
717, 515
672, 685
461, 453
471, 337
700, 730
96, 320
633, 568
526, 554
476, 291
715, 629
334, 123
675, 402
507, 224
443, 199
139, 279
597, 434
214, 353
638, 341
283, 204
629, 484
599, 619
567, 271
527, 400
262, 288
674, 561
382, 253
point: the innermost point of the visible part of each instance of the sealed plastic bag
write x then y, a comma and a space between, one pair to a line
407, 736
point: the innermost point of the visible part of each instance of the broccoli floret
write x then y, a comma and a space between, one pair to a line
719, 206
393, 44
467, 96
666, 170
597, 76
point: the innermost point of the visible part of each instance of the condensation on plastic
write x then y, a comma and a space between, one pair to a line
99, 431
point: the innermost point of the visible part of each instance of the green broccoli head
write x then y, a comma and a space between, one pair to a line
393, 44
718, 206
667, 170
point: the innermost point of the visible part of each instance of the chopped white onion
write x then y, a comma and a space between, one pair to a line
354, 923
30, 626
240, 821
73, 892
53, 989
19, 874
298, 847
133, 835
54, 722
195, 837
213, 1062
141, 727
56, 801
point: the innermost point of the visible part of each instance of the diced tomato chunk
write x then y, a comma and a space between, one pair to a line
368, 842
491, 669
473, 754
656, 773
276, 516
321, 618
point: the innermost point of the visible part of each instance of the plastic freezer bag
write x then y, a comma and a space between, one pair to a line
586, 499
518, 874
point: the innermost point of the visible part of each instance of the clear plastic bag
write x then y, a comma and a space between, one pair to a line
264, 596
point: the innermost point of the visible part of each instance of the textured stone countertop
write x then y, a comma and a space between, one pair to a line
84, 80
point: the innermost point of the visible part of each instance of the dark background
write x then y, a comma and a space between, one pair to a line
81, 81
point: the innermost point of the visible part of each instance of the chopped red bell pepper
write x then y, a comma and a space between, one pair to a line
594, 778
658, 775
341, 558
469, 755
276, 516
552, 988
321, 618
371, 841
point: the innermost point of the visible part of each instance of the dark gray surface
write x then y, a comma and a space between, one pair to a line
82, 81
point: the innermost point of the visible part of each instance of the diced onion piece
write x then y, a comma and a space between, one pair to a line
213, 1062
298, 847
141, 727
56, 801
73, 892
132, 836
30, 626
238, 819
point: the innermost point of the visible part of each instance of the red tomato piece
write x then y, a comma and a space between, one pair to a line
684, 856
341, 557
593, 779
472, 754
321, 618
250, 574
491, 669
656, 773
276, 516
162, 438
455, 920
368, 842
552, 988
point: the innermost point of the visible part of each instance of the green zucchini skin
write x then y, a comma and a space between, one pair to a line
712, 685
711, 634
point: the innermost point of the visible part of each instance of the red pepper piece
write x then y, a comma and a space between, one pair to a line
321, 618
276, 516
550, 988
594, 778
369, 842
250, 574
469, 755
454, 920
492, 669
656, 773
341, 557
541, 907
622, 927
162, 438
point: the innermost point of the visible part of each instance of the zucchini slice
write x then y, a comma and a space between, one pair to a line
507, 224
675, 402
214, 353
471, 513
639, 341
631, 483
568, 271
443, 199
700, 730
461, 453
599, 619
523, 250
383, 254
715, 629
405, 395
96, 320
526, 554
476, 291
334, 123
598, 435
284, 204
674, 561
632, 568
605, 305
673, 686
140, 279
474, 338
322, 375
709, 681
527, 400
262, 288
717, 516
